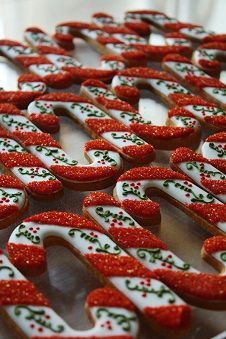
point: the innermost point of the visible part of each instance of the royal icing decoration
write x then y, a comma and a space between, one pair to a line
154, 254
113, 314
131, 191
214, 149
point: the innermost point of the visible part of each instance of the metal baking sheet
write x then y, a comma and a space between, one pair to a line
67, 281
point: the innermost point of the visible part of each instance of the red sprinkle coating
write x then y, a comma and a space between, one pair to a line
8, 181
214, 45
151, 173
175, 35
9, 109
5, 134
45, 187
75, 25
129, 237
108, 297
64, 40
140, 28
220, 164
144, 72
51, 50
119, 266
5, 42
27, 61
14, 159
142, 209
182, 154
177, 58
100, 198
135, 57
8, 211
187, 99
201, 285
94, 83
210, 64
215, 186
176, 26
219, 121
148, 132
80, 74
101, 126
26, 257
142, 152
108, 40
21, 99
63, 219
34, 30
117, 29
215, 244
101, 15
157, 53
46, 122
112, 57
20, 292
213, 213
217, 137
60, 80
63, 97
35, 138
127, 93
175, 111
98, 144
215, 38
84, 173
202, 82
27, 77
116, 104
172, 317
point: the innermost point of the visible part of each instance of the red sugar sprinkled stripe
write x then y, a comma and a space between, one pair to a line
100, 198
112, 57
27, 61
139, 27
182, 154
140, 152
100, 126
94, 83
8, 181
214, 45
163, 132
215, 244
5, 42
14, 159
142, 209
98, 144
35, 138
63, 97
116, 104
26, 256
81, 74
218, 137
34, 30
108, 40
129, 237
20, 292
63, 219
202, 82
172, 317
176, 26
127, 93
144, 72
8, 210
177, 58
45, 121
151, 173
159, 52
20, 99
120, 30
9, 109
75, 24
101, 15
181, 112
187, 99
115, 266
213, 213
52, 50
215, 38
29, 78
108, 297
45, 187
215, 186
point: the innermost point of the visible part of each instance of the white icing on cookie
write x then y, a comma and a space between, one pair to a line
182, 69
122, 139
63, 60
14, 51
214, 150
45, 69
198, 33
181, 121
39, 38
33, 86
218, 94
17, 123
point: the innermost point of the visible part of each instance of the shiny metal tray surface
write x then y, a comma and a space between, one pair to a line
67, 281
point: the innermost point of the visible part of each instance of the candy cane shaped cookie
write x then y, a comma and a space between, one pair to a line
102, 172
191, 76
111, 264
199, 170
209, 55
161, 137
27, 59
102, 19
30, 314
154, 254
134, 186
214, 149
38, 181
93, 120
102, 40
39, 40
13, 200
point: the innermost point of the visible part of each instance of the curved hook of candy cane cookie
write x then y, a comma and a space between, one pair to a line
93, 120
154, 254
37, 180
30, 314
106, 40
133, 186
186, 131
112, 265
25, 57
199, 170
208, 57
102, 172
13, 200
102, 19
214, 149
46, 46
196, 79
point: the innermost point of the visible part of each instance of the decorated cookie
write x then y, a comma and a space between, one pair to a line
176, 39
102, 19
111, 263
30, 313
40, 41
209, 55
98, 123
38, 181
13, 200
26, 58
196, 79
214, 149
154, 254
133, 189
185, 130
102, 172
199, 170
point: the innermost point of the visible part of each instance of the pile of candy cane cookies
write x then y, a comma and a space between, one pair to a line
140, 274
